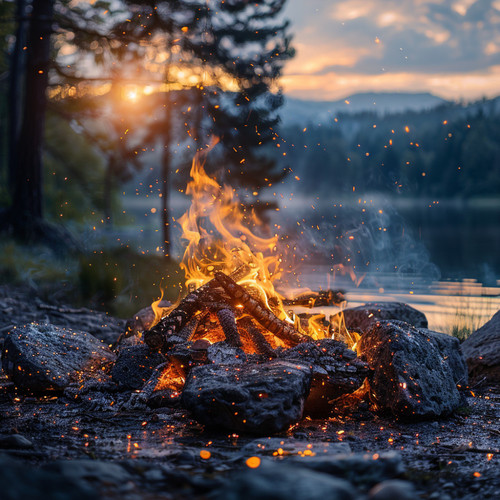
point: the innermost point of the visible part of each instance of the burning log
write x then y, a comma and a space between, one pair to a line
239, 296
227, 320
260, 342
188, 330
157, 336
323, 298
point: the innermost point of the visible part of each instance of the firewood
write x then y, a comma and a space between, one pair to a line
156, 337
228, 322
260, 342
189, 329
317, 299
239, 296
175, 321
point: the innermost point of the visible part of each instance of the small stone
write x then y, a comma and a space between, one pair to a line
256, 398
39, 358
16, 442
22, 481
93, 470
393, 489
154, 475
361, 469
135, 365
285, 482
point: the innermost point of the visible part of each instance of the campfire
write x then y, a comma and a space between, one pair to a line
230, 272
231, 353
230, 347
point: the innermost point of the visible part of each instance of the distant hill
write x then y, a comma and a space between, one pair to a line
298, 111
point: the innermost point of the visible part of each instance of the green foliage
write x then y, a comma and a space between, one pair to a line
73, 174
119, 281
123, 281
469, 317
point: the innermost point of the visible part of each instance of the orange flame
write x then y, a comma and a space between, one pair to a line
221, 235
158, 310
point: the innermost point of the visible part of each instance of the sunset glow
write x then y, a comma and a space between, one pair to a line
449, 49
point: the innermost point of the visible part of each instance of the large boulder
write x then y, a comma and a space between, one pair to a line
416, 371
261, 398
362, 318
482, 352
39, 358
336, 371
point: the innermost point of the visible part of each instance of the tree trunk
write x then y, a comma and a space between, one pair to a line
16, 71
108, 191
165, 168
27, 211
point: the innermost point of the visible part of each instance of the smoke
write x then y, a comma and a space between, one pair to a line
367, 239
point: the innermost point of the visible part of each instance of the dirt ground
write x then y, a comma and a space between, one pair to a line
164, 453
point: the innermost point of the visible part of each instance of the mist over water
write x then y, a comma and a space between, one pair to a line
368, 238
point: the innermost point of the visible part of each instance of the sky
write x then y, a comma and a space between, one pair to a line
450, 48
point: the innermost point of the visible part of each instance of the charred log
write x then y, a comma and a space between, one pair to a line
172, 324
318, 299
239, 296
227, 320
258, 340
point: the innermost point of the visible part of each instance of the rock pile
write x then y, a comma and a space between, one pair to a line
409, 370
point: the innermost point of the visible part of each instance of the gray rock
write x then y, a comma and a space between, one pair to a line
16, 442
482, 352
415, 371
362, 318
364, 470
21, 480
90, 470
221, 353
256, 398
135, 365
284, 482
452, 352
336, 371
393, 489
38, 358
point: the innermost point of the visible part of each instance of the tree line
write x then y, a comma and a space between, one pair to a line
452, 151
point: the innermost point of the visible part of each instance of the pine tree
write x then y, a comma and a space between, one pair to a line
225, 56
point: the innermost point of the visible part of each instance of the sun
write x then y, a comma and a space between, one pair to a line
131, 95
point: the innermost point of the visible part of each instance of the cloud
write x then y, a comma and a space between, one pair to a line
373, 38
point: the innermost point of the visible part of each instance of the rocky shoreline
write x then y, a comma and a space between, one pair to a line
70, 447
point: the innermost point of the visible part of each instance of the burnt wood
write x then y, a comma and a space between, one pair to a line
239, 296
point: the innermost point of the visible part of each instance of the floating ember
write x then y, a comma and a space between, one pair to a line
230, 273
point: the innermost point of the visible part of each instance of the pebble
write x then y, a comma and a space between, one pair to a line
393, 489
16, 442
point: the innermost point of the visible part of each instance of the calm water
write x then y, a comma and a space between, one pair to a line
442, 258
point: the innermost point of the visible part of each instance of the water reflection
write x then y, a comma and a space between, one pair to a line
450, 306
